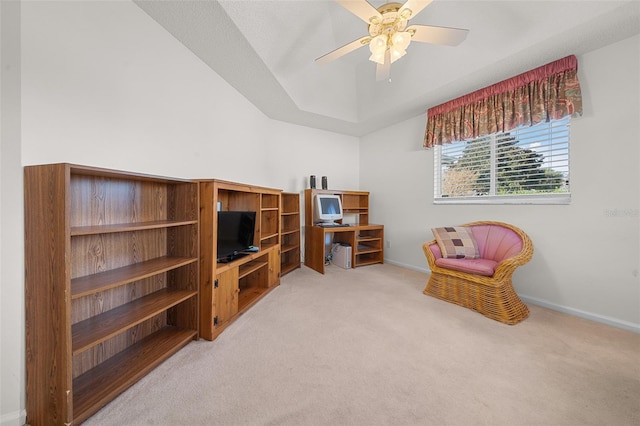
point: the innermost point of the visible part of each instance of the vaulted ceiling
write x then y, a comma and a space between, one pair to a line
266, 50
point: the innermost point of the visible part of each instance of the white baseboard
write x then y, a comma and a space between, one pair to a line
614, 322
403, 265
15, 418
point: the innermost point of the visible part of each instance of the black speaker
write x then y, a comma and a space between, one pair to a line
324, 182
312, 181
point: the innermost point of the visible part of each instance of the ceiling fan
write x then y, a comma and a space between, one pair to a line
389, 36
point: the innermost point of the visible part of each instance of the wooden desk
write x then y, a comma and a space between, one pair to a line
367, 242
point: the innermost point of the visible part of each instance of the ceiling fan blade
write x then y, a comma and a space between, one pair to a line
383, 71
438, 35
340, 51
361, 8
415, 6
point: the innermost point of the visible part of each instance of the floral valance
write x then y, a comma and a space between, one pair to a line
546, 93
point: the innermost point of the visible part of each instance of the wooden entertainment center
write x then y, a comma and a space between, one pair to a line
229, 289
366, 240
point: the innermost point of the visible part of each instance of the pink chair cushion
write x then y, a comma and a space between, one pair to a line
484, 267
496, 243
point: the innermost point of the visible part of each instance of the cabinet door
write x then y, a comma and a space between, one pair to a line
274, 267
225, 297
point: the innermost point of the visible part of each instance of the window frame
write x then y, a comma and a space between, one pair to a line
492, 197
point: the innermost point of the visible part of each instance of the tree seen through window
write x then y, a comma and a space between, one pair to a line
528, 161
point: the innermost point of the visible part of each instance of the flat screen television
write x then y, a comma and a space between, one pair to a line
328, 208
235, 234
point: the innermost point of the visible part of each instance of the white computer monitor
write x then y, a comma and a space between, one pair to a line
327, 209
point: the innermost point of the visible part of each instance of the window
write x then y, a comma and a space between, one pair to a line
527, 165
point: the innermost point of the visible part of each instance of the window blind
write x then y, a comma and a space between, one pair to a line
529, 161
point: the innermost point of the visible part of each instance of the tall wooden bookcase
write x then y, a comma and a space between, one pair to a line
111, 262
229, 289
290, 232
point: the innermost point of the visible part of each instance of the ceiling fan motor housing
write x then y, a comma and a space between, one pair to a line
391, 21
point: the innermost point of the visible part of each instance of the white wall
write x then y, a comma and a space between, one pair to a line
12, 355
104, 85
586, 256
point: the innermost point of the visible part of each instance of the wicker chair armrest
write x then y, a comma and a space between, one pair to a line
431, 258
507, 267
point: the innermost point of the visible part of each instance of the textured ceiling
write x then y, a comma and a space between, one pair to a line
266, 50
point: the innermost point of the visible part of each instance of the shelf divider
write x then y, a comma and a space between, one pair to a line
127, 227
89, 284
99, 328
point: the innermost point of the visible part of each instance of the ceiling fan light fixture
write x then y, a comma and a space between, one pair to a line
378, 44
378, 58
396, 53
401, 40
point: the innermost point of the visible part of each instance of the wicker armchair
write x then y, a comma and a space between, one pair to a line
493, 296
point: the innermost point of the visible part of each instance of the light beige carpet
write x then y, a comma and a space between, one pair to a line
366, 347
